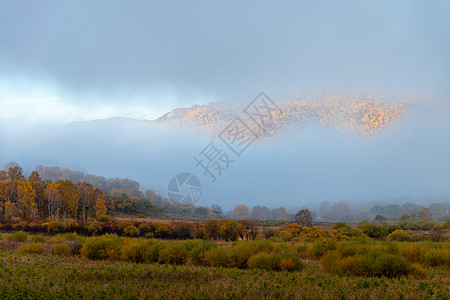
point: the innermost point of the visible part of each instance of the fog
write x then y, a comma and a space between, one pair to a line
296, 168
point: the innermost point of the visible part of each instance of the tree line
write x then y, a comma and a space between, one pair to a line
32, 198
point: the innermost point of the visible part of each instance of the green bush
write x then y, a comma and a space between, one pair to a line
19, 236
373, 231
197, 253
131, 231
31, 248
446, 225
279, 262
239, 254
38, 238
216, 257
94, 228
55, 227
391, 265
413, 253
174, 253
332, 261
262, 261
62, 250
373, 263
340, 225
103, 247
437, 257
322, 246
351, 248
70, 236
264, 246
154, 250
399, 235
136, 250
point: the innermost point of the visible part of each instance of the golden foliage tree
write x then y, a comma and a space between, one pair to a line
54, 199
100, 207
26, 203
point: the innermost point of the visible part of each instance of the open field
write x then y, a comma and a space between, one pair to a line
70, 266
51, 277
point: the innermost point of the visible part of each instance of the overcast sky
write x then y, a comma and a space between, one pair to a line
78, 60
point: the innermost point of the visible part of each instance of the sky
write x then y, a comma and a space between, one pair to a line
64, 61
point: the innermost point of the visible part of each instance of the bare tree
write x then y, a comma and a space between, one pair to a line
304, 218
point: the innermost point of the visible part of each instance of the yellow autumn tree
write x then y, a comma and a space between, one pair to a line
26, 203
10, 209
100, 206
54, 199
38, 186
69, 197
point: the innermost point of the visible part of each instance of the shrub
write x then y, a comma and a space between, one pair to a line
173, 254
19, 226
331, 261
264, 246
290, 264
446, 225
351, 248
19, 236
437, 257
280, 262
183, 230
38, 238
240, 254
413, 253
391, 265
373, 263
104, 218
136, 250
146, 228
262, 261
302, 251
71, 236
55, 227
62, 250
103, 247
162, 231
340, 225
31, 248
131, 231
373, 231
94, 228
320, 247
216, 257
75, 246
154, 251
197, 249
57, 239
399, 235
418, 270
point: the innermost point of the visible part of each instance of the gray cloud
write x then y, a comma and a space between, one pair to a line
118, 50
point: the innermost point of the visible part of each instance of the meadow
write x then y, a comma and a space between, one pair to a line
303, 264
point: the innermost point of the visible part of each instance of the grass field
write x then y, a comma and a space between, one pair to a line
293, 262
25, 276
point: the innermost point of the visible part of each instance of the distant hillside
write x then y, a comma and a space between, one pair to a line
362, 115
